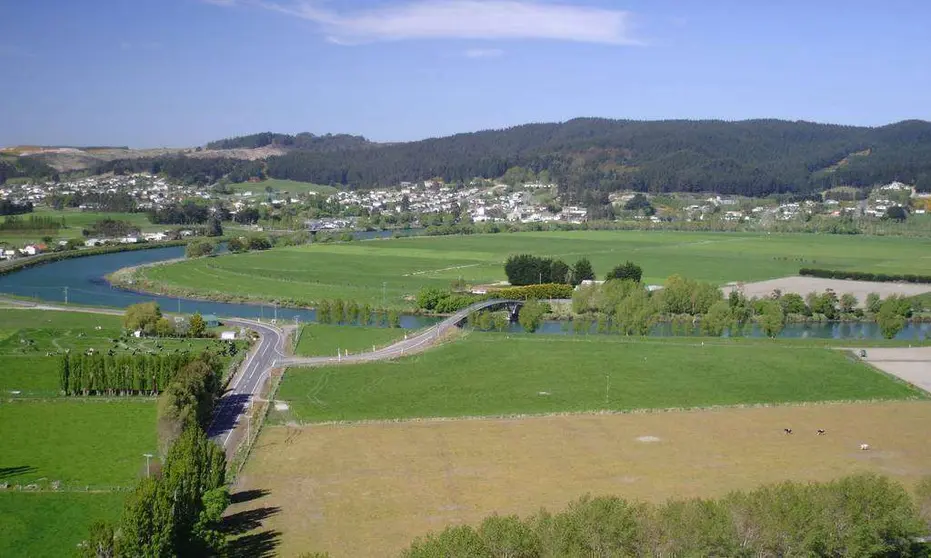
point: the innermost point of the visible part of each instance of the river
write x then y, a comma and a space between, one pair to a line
82, 281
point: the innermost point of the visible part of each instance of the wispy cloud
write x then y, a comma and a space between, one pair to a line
483, 53
459, 19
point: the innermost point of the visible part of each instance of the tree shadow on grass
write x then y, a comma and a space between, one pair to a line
248, 495
243, 528
7, 472
256, 545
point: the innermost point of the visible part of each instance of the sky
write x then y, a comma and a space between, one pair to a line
175, 73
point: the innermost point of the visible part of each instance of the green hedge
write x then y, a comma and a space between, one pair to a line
864, 276
534, 292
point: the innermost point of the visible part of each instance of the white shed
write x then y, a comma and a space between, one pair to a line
228, 335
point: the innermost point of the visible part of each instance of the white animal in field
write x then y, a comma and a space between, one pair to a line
864, 447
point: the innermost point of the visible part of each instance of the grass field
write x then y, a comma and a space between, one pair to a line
369, 489
277, 185
51, 524
493, 374
76, 441
25, 366
75, 221
325, 340
361, 270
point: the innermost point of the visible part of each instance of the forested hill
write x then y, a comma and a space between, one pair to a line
590, 157
304, 141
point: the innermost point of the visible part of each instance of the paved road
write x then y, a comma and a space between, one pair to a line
248, 381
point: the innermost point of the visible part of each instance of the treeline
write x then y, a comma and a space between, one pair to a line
589, 157
120, 375
350, 312
33, 223
110, 228
116, 202
864, 276
526, 269
8, 207
186, 213
187, 170
25, 167
863, 515
304, 141
178, 510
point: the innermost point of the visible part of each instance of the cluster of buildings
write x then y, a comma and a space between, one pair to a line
148, 192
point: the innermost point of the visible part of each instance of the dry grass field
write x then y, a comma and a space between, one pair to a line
805, 285
369, 489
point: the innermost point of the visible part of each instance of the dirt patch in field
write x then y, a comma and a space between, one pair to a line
368, 490
912, 364
805, 285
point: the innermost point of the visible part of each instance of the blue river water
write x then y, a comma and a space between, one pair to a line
82, 281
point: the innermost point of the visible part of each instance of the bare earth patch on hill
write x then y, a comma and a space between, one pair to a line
369, 489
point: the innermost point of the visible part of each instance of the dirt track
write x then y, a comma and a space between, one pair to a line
805, 285
910, 364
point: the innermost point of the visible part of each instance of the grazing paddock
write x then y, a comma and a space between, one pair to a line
493, 374
51, 524
368, 489
805, 285
396, 269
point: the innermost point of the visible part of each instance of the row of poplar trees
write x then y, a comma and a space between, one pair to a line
102, 374
350, 312
177, 511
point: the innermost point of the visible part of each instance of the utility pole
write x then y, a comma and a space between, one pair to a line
179, 304
147, 457
66, 295
607, 386
276, 312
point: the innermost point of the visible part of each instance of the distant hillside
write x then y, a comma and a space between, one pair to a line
590, 157
304, 141
587, 157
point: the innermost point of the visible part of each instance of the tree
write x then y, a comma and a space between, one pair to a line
394, 319
100, 542
525, 269
771, 318
214, 226
324, 313
873, 302
142, 317
197, 326
238, 245
559, 272
639, 203
259, 243
889, 318
531, 315
629, 271
896, 213
848, 303
716, 319
582, 271
164, 328
200, 248
793, 303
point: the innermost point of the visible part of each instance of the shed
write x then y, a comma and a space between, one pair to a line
211, 320
228, 335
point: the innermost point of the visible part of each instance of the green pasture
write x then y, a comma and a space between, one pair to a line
325, 340
496, 374
52, 524
75, 222
363, 271
28, 355
277, 185
79, 442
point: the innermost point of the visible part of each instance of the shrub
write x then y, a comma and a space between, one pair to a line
534, 292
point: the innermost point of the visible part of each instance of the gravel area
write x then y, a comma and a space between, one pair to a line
910, 364
805, 285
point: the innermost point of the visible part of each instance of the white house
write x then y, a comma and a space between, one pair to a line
228, 335
91, 242
155, 237
129, 240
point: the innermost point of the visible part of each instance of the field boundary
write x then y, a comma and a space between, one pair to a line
605, 412
245, 446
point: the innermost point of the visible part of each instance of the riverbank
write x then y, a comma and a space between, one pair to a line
32, 261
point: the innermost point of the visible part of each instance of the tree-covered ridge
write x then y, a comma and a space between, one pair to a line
304, 141
753, 157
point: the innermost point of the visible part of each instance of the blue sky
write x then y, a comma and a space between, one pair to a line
150, 73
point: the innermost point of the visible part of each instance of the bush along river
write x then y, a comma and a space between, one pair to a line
82, 281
